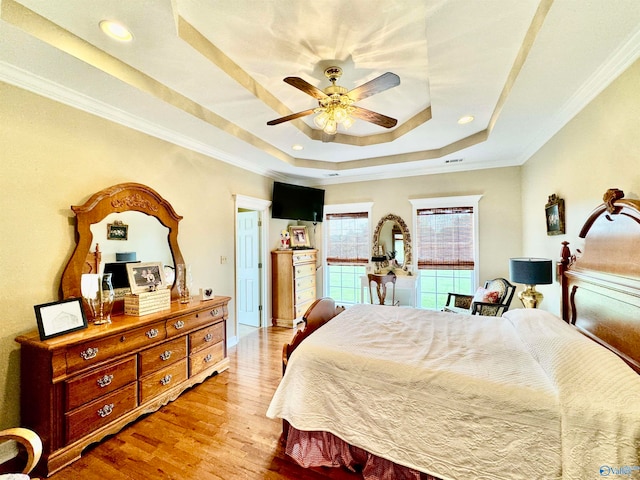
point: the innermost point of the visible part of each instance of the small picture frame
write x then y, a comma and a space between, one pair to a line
58, 318
146, 277
299, 237
554, 212
207, 293
117, 231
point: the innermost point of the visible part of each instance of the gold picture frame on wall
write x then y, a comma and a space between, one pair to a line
554, 211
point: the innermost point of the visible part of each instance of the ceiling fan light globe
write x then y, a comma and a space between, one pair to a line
331, 127
321, 119
348, 122
340, 115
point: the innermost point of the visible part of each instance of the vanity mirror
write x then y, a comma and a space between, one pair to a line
392, 235
132, 204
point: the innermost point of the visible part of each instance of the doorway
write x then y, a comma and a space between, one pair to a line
251, 266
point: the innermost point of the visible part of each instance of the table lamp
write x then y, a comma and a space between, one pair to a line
531, 272
378, 260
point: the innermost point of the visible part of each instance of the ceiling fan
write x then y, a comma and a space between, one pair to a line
335, 103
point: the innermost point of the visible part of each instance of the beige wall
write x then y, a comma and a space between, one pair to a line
597, 150
53, 157
499, 207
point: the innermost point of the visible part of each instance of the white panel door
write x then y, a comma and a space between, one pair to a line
248, 275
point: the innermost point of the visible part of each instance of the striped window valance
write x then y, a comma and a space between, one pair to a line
347, 238
445, 238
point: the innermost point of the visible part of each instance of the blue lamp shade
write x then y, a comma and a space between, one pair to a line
531, 271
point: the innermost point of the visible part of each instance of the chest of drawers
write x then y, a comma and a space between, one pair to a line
293, 284
80, 387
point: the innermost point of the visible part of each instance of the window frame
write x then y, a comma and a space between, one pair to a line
444, 202
338, 209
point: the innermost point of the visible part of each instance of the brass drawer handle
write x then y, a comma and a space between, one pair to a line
153, 333
178, 325
89, 353
208, 358
104, 381
166, 355
208, 337
106, 410
165, 380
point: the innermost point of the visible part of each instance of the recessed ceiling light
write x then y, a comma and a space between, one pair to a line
465, 119
116, 30
297, 147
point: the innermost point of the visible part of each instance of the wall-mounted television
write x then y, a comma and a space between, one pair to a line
294, 202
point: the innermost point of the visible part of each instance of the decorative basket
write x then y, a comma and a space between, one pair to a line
144, 303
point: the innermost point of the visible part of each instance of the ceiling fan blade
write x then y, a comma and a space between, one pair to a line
374, 117
380, 84
306, 87
293, 116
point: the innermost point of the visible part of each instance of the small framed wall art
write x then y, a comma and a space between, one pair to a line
117, 231
554, 210
299, 236
58, 318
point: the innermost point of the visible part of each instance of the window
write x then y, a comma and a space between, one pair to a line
347, 236
447, 246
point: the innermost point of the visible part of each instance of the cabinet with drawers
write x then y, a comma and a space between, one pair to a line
293, 278
82, 386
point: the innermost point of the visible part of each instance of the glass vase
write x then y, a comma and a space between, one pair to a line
183, 279
97, 290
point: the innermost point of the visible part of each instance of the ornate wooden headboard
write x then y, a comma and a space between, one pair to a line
601, 286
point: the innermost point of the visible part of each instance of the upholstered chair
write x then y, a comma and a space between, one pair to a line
491, 300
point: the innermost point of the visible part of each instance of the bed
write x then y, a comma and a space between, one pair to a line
406, 393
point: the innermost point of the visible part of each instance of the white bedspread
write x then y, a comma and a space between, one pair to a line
466, 397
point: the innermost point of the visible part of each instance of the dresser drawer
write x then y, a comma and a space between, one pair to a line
305, 295
156, 383
206, 337
159, 357
302, 308
178, 325
98, 413
303, 283
304, 258
95, 351
305, 270
206, 358
88, 387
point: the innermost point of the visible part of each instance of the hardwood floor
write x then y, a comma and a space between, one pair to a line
216, 430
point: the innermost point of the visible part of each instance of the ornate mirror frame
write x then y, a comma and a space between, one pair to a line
116, 199
406, 236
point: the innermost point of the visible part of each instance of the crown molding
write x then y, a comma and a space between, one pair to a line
617, 63
46, 88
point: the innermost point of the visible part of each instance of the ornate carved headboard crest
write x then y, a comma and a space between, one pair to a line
610, 197
601, 286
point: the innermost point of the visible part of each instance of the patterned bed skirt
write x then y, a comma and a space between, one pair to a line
322, 449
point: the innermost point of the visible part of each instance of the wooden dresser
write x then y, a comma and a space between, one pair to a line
80, 387
293, 278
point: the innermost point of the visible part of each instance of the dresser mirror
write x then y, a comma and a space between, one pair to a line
391, 236
135, 210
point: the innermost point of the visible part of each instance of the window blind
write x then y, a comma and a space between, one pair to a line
445, 238
347, 238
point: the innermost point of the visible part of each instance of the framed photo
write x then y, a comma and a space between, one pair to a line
117, 231
207, 293
299, 236
554, 210
58, 318
146, 277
